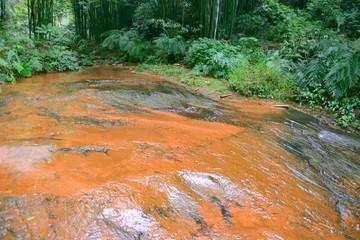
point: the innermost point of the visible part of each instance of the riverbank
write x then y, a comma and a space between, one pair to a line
218, 88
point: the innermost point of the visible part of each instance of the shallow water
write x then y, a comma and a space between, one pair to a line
105, 153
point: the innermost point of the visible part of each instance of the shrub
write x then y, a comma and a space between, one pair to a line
150, 20
335, 67
328, 12
60, 59
129, 45
210, 56
270, 20
342, 108
21, 57
263, 79
351, 11
11, 66
170, 49
57, 35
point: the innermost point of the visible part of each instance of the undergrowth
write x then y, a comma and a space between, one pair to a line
22, 57
183, 75
344, 109
261, 79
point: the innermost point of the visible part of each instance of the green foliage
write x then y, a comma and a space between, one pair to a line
328, 12
11, 65
21, 57
335, 67
250, 24
170, 17
316, 45
343, 75
217, 18
343, 109
22, 68
36, 64
141, 52
21, 40
183, 75
115, 39
121, 39
276, 22
131, 47
39, 13
163, 70
85, 60
150, 29
94, 17
270, 20
263, 79
170, 49
5, 78
273, 11
60, 59
351, 13
210, 56
56, 35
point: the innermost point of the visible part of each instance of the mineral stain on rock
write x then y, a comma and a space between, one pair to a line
105, 153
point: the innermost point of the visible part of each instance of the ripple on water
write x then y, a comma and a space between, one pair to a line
108, 154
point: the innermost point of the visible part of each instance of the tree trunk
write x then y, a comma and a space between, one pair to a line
40, 12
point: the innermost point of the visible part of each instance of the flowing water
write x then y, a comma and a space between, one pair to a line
105, 153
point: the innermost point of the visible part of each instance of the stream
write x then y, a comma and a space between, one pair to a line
106, 153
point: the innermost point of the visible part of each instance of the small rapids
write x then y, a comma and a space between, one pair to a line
105, 153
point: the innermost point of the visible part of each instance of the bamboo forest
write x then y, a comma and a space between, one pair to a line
179, 119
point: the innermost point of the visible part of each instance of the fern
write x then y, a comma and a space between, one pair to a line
170, 49
6, 78
21, 40
2, 43
120, 39
3, 63
175, 46
11, 55
129, 45
311, 74
26, 70
60, 59
262, 79
112, 38
140, 52
343, 75
335, 67
111, 32
35, 64
213, 56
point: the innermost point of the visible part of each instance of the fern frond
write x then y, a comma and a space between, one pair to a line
313, 73
3, 63
175, 46
36, 64
112, 32
22, 40
12, 54
343, 75
111, 42
124, 43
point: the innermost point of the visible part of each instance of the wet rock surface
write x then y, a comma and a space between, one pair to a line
108, 154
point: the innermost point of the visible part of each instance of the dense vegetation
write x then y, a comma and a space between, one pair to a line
301, 50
